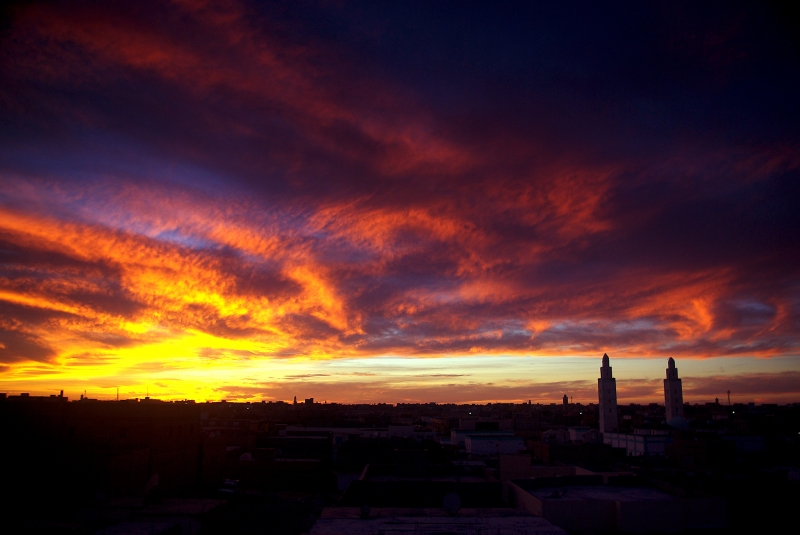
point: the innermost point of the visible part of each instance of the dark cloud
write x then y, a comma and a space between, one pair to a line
307, 375
111, 340
18, 346
272, 285
308, 327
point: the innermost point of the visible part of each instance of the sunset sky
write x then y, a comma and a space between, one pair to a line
417, 201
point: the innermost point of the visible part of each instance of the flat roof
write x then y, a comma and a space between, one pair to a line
140, 528
600, 493
452, 478
347, 521
493, 437
167, 507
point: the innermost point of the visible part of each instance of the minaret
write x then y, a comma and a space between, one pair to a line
607, 390
673, 392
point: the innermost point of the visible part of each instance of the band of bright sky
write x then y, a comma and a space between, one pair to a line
225, 200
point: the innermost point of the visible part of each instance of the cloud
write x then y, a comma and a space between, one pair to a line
240, 181
16, 346
307, 376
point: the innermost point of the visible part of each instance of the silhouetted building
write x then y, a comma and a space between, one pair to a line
673, 392
607, 391
587, 503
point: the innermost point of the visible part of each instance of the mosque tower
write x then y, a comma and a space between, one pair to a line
673, 392
607, 390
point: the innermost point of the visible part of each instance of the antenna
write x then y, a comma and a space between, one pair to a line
117, 393
729, 397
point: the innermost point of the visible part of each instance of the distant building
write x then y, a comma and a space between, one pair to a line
577, 433
673, 392
458, 437
493, 444
607, 392
566, 401
641, 442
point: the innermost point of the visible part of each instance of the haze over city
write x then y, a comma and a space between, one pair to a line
416, 202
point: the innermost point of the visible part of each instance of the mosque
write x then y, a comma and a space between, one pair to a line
643, 442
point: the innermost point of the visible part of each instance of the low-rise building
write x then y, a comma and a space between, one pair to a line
585, 503
396, 521
641, 442
577, 434
493, 444
458, 437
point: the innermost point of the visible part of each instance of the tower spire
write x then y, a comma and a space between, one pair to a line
607, 392
673, 392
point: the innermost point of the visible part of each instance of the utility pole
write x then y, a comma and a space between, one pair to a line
729, 398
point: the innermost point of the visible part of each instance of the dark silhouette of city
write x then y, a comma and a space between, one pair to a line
150, 466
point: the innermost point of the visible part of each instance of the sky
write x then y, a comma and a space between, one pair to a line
399, 202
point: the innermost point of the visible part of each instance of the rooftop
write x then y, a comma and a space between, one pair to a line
390, 521
600, 493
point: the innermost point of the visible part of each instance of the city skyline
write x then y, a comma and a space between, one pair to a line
412, 203
635, 391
